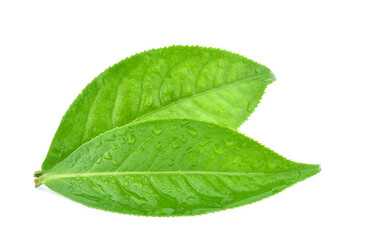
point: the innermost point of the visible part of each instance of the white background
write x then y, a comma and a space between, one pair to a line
316, 112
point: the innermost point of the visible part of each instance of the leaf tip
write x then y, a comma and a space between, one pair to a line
38, 175
310, 170
272, 77
316, 167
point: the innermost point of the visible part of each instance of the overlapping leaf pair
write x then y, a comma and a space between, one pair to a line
155, 135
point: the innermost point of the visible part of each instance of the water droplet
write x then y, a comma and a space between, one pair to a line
205, 141
167, 211
257, 164
175, 142
148, 100
114, 162
242, 162
183, 138
218, 149
171, 162
114, 146
235, 160
272, 165
190, 200
122, 141
126, 183
140, 133
109, 137
131, 139
138, 184
157, 130
98, 144
99, 160
108, 156
122, 132
184, 122
229, 142
191, 131
158, 145
194, 164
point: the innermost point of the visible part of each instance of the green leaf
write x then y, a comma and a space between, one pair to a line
175, 82
172, 168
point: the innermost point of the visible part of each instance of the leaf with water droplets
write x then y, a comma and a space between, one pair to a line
215, 168
175, 82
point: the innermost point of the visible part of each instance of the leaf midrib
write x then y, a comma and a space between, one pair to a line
198, 95
51, 176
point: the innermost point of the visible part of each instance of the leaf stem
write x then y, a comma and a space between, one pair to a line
39, 178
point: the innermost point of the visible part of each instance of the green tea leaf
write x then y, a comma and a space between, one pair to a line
172, 168
175, 82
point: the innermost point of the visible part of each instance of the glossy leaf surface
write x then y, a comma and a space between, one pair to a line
175, 82
172, 168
